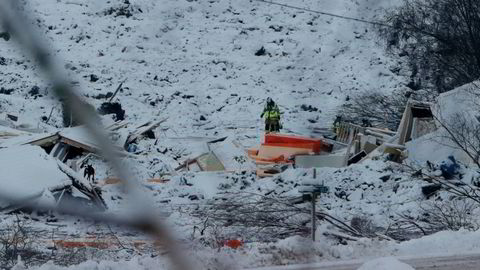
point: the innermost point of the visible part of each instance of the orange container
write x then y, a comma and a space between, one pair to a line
316, 145
281, 138
233, 243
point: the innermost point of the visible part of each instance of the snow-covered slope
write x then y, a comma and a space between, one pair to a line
185, 59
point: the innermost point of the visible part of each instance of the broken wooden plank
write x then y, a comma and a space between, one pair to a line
117, 125
386, 131
141, 131
262, 173
158, 180
185, 164
50, 115
47, 140
396, 146
116, 91
381, 136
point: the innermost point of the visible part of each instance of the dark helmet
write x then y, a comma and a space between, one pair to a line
270, 101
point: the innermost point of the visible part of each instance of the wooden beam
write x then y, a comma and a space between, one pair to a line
78, 145
116, 91
139, 133
52, 139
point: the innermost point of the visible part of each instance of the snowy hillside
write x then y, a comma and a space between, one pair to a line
186, 59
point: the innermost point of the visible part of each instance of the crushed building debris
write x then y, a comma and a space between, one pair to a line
349, 143
46, 179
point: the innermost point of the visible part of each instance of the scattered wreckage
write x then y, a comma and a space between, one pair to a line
46, 179
72, 147
61, 153
54, 161
349, 144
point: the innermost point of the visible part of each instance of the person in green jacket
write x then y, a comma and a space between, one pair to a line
271, 112
336, 124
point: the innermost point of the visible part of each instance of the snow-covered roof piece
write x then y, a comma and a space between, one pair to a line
232, 155
436, 146
77, 137
27, 171
23, 138
464, 99
80, 135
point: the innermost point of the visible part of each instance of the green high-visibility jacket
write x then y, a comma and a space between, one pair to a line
272, 113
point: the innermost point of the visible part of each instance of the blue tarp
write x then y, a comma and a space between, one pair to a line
449, 168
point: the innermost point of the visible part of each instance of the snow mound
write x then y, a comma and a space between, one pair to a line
27, 171
388, 263
446, 242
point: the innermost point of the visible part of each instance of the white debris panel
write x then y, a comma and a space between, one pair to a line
27, 172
